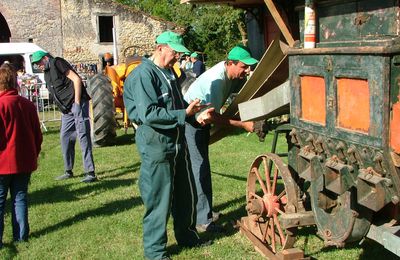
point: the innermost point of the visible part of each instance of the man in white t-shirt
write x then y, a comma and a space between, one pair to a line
213, 87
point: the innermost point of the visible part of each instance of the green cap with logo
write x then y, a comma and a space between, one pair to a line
173, 40
194, 55
38, 55
242, 53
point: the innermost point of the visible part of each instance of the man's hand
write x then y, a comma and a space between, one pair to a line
194, 107
248, 126
206, 117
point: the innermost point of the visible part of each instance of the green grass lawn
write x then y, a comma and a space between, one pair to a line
72, 220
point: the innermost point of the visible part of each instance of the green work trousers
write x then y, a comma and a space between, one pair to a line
166, 185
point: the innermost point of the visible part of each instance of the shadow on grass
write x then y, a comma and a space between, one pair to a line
121, 171
11, 252
374, 250
51, 131
227, 220
106, 210
231, 176
124, 139
63, 191
64, 194
371, 249
118, 140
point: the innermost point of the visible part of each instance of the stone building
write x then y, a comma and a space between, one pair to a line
81, 31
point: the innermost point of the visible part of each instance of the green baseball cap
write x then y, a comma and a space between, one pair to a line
242, 53
194, 55
173, 40
38, 55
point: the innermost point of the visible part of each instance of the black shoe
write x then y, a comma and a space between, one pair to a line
66, 175
89, 177
210, 227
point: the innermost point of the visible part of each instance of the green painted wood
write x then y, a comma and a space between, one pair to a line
361, 22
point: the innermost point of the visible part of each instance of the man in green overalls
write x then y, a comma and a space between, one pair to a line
154, 102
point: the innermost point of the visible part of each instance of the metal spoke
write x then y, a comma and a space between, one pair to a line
280, 211
274, 181
265, 235
281, 194
278, 226
255, 170
267, 177
273, 242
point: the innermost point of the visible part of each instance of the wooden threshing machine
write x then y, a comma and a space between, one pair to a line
343, 168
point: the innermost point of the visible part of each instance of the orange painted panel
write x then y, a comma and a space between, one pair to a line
353, 104
395, 128
313, 99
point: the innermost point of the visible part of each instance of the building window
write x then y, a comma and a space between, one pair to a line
106, 28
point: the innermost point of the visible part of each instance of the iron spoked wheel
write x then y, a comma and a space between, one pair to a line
271, 193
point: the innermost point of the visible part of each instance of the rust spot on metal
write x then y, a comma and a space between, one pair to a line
328, 233
353, 104
361, 19
313, 99
395, 159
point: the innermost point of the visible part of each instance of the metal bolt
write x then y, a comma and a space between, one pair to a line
339, 146
328, 233
388, 182
378, 157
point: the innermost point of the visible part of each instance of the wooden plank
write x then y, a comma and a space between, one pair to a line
279, 21
259, 246
266, 106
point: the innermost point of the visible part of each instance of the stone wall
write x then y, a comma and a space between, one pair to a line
69, 28
135, 31
38, 20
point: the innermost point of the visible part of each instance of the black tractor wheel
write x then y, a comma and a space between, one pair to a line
102, 109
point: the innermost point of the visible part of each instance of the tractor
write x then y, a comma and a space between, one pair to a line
107, 104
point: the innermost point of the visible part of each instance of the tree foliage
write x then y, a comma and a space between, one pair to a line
212, 29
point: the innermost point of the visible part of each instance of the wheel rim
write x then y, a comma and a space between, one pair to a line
269, 197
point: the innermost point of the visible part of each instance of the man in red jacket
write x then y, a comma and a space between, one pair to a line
20, 141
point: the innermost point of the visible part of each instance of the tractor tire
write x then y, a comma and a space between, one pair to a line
103, 121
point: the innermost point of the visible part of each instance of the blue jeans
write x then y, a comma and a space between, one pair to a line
76, 124
18, 186
197, 139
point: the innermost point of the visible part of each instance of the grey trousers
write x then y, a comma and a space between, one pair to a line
76, 124
197, 139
